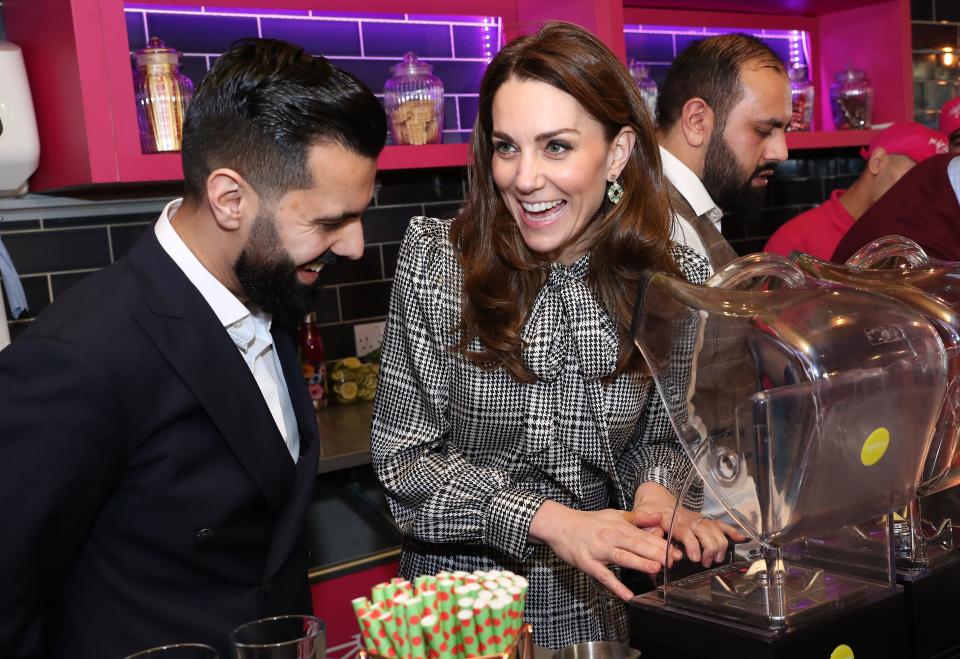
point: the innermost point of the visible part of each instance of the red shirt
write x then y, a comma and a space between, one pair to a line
921, 206
816, 232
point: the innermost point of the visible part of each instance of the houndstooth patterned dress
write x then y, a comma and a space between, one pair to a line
467, 456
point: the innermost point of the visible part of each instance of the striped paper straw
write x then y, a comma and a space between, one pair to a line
467, 633
483, 627
417, 648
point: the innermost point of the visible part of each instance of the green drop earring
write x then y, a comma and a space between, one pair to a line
615, 192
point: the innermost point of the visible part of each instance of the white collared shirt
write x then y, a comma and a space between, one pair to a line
691, 187
250, 332
953, 172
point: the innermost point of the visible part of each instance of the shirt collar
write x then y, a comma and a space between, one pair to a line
230, 311
690, 186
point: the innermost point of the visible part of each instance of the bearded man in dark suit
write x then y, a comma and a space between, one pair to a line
157, 445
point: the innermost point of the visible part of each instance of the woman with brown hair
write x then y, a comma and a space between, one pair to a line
514, 424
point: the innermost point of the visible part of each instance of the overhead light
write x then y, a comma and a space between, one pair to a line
947, 57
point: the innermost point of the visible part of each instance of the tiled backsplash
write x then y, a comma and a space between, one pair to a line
366, 45
53, 247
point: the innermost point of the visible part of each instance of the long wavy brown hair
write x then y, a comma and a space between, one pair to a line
502, 276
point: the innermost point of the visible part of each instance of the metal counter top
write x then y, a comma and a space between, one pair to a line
344, 436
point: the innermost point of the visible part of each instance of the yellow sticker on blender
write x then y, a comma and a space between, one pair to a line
875, 446
842, 652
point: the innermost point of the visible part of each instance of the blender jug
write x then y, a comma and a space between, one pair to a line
804, 408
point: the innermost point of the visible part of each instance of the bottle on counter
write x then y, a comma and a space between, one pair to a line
314, 360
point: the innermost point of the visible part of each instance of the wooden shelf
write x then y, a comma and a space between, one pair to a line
829, 139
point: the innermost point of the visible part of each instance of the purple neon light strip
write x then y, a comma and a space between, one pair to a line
470, 21
707, 31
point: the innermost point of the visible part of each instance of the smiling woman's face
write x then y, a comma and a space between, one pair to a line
551, 164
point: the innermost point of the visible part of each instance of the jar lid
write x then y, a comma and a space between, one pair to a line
850, 74
157, 52
410, 65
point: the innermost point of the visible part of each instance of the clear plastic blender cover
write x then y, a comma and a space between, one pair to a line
803, 410
898, 267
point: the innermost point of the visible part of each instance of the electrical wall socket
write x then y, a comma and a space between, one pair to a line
367, 337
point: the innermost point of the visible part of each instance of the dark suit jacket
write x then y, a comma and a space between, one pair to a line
147, 495
921, 206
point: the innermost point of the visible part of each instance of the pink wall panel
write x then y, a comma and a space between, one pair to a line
877, 40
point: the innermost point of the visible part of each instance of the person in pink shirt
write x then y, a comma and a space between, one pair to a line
890, 155
950, 123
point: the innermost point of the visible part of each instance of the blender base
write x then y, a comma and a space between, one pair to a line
873, 627
930, 598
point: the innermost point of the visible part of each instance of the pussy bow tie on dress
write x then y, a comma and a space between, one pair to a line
567, 303
566, 312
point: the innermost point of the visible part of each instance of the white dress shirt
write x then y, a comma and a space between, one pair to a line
953, 173
691, 187
250, 332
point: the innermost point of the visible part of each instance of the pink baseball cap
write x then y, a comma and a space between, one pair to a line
909, 139
950, 117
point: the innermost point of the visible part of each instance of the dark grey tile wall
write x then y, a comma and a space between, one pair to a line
54, 251
799, 184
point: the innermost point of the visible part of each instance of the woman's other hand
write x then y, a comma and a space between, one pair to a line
592, 540
703, 538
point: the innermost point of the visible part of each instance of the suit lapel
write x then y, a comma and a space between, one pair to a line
186, 331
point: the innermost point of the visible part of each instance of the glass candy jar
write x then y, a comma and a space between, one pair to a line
162, 94
414, 102
647, 85
801, 96
851, 99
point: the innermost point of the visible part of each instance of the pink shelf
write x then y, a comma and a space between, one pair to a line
166, 166
872, 35
829, 139
79, 67
422, 157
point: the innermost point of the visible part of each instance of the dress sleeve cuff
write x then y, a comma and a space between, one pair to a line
661, 476
509, 514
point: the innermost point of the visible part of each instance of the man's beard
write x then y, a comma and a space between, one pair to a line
725, 182
268, 276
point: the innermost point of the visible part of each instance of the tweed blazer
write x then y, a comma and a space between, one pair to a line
467, 456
